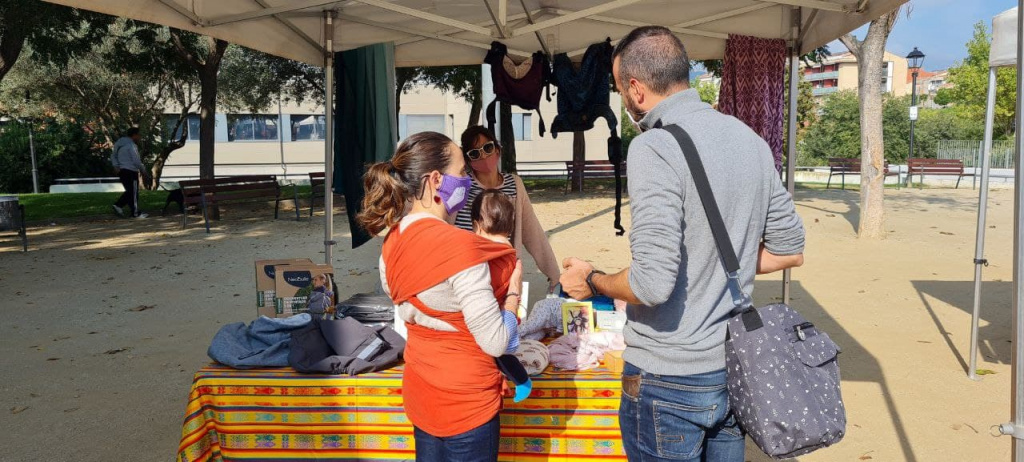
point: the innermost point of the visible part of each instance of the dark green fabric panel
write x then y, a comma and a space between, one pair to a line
364, 122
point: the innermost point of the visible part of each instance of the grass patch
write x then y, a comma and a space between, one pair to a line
48, 207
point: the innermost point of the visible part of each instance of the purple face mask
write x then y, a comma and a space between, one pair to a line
454, 192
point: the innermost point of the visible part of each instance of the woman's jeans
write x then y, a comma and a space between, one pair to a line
678, 418
477, 445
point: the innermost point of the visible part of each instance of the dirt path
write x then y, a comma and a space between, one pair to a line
105, 322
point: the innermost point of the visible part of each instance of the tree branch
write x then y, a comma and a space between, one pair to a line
852, 44
183, 51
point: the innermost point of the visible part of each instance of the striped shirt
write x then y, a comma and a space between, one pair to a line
464, 219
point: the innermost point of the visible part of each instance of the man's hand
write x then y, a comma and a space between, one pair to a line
574, 279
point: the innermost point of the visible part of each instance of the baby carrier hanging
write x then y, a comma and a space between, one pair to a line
583, 97
519, 85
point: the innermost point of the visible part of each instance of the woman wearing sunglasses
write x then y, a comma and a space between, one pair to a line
483, 154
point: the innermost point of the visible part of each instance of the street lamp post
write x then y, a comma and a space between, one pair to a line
914, 61
32, 151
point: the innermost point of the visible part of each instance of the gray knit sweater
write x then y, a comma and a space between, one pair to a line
676, 270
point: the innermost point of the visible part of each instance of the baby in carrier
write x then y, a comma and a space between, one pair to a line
493, 215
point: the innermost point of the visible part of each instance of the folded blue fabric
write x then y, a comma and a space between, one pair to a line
264, 343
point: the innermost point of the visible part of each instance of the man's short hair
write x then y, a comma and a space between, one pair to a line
132, 132
654, 56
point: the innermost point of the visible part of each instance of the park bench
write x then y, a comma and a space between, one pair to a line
316, 184
209, 193
12, 218
843, 166
936, 167
592, 170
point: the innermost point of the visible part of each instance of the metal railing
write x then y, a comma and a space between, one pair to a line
969, 152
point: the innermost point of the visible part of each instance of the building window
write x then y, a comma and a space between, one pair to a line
522, 126
251, 127
415, 123
308, 127
887, 77
191, 125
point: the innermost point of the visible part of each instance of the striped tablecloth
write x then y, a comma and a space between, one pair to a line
266, 414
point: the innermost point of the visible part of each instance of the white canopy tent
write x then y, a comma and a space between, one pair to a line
459, 32
1007, 50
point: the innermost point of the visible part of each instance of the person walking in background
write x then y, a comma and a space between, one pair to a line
128, 164
675, 404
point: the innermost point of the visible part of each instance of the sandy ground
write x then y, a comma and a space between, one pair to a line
84, 377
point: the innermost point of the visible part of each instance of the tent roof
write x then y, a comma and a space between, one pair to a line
1004, 39
438, 32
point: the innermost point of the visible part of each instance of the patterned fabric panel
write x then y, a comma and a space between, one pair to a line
266, 414
752, 87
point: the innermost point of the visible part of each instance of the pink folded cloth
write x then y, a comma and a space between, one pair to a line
579, 353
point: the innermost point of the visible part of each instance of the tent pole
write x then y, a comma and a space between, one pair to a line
329, 137
1016, 428
979, 250
794, 80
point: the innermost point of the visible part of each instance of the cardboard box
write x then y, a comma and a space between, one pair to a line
265, 284
613, 362
293, 284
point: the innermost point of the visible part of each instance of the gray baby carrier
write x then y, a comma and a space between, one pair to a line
783, 375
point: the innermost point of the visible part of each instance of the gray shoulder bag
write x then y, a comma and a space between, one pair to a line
783, 374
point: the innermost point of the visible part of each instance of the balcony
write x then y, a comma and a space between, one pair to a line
821, 76
825, 91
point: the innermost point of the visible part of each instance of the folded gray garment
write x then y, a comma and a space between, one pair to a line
264, 343
344, 346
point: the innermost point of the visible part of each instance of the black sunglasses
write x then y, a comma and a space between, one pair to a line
488, 149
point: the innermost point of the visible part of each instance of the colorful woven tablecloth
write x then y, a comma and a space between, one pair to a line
266, 414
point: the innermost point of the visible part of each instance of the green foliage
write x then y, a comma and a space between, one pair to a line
817, 55
943, 97
970, 85
708, 91
55, 32
837, 134
934, 125
251, 80
63, 150
628, 130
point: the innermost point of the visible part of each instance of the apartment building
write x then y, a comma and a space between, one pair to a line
839, 72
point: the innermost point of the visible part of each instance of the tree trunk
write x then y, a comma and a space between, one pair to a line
475, 109
508, 139
579, 157
870, 55
11, 46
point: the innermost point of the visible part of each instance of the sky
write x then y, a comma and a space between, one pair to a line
939, 28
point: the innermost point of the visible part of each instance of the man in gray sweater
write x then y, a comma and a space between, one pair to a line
674, 403
128, 163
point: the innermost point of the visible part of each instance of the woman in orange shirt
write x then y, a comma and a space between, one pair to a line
439, 279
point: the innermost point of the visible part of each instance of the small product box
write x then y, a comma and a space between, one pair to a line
613, 361
293, 285
265, 284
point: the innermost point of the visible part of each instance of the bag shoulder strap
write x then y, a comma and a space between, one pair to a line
740, 299
707, 197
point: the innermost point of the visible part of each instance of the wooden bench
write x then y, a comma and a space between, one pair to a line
209, 193
843, 166
592, 169
940, 167
316, 183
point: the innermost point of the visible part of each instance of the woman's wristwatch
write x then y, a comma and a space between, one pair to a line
590, 282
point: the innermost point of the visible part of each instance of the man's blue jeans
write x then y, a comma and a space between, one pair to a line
477, 445
678, 418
